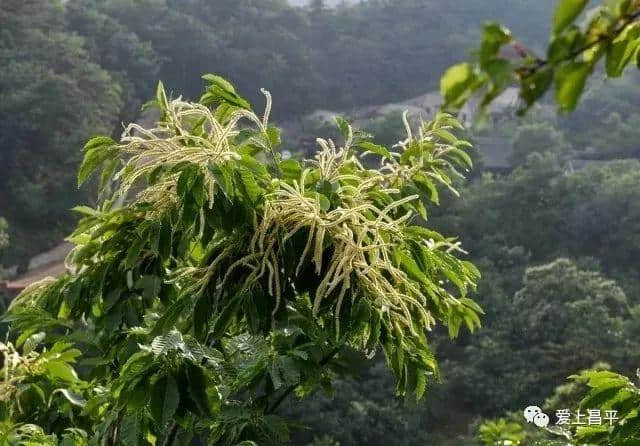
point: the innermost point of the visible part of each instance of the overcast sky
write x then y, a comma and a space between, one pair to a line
327, 2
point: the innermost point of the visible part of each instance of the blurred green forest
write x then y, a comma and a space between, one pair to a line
76, 68
556, 235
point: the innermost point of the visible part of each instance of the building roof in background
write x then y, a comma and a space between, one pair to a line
494, 149
47, 264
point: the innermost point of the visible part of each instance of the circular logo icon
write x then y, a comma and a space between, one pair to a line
541, 420
530, 413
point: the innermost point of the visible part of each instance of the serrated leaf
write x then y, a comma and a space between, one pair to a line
220, 82
92, 159
98, 141
426, 187
248, 185
410, 267
133, 253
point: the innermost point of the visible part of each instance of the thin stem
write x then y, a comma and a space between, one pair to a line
541, 63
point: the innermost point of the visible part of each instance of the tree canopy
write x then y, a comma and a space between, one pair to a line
229, 278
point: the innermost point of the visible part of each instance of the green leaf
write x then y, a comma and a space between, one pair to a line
426, 187
225, 317
500, 72
248, 185
570, 81
98, 141
327, 188
458, 83
600, 397
61, 371
343, 126
130, 430
601, 378
494, 36
273, 136
92, 159
222, 92
198, 388
161, 96
85, 210
150, 286
202, 313
164, 400
220, 82
133, 253
566, 12
461, 157
186, 180
224, 178
630, 429
563, 45
32, 342
291, 169
410, 267
622, 50
421, 384
37, 393
536, 85
171, 316
375, 148
446, 136
324, 202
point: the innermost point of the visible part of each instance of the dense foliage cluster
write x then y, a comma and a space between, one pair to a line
610, 32
554, 229
214, 279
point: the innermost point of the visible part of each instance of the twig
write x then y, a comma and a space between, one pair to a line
540, 63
